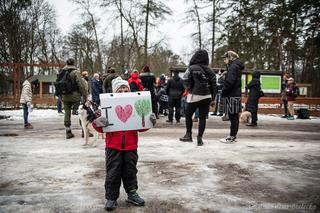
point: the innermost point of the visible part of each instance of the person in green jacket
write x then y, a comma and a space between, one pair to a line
78, 94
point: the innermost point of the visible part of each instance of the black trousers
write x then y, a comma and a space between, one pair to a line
285, 107
174, 104
254, 117
203, 106
120, 165
234, 119
154, 103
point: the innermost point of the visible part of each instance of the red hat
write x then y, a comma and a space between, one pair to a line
146, 68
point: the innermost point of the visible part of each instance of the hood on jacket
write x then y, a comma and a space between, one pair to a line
146, 68
134, 75
69, 67
200, 57
238, 63
25, 83
256, 74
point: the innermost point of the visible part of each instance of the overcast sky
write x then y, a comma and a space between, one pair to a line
178, 34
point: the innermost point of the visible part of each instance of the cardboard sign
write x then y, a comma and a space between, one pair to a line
126, 111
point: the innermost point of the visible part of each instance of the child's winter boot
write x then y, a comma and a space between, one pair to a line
111, 205
135, 199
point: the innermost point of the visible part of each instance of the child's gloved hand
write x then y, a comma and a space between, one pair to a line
101, 122
153, 119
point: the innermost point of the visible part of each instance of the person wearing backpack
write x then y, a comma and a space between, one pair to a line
71, 86
255, 93
292, 92
200, 81
107, 82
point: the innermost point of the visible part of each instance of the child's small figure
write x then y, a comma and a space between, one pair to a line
121, 157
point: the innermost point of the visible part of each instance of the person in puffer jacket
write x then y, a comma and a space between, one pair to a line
135, 82
231, 93
174, 90
200, 81
121, 157
254, 88
25, 101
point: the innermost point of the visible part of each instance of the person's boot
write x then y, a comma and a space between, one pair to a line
187, 137
199, 141
135, 199
111, 205
69, 133
28, 126
251, 124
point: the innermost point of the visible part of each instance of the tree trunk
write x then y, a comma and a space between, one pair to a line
145, 60
121, 36
97, 41
199, 23
213, 31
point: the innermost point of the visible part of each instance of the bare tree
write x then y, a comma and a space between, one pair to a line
87, 6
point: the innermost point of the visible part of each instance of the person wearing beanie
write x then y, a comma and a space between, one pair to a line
148, 81
107, 82
121, 157
231, 93
200, 81
79, 92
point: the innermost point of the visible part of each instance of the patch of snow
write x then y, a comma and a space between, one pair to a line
36, 114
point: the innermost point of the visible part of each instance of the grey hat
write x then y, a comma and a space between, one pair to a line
117, 83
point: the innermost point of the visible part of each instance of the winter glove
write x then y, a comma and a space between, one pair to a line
91, 116
28, 104
153, 119
101, 122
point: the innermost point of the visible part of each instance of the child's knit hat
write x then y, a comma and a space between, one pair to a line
117, 83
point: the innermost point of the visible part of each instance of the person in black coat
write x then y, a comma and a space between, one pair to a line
231, 93
200, 81
255, 93
174, 90
148, 81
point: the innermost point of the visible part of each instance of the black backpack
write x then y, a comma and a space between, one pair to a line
303, 113
64, 84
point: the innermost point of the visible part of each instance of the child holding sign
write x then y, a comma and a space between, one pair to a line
121, 156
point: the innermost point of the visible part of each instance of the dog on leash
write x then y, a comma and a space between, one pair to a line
84, 113
245, 117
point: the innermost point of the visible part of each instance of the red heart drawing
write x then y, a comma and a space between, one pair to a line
123, 113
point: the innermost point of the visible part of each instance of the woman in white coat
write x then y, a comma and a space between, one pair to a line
25, 100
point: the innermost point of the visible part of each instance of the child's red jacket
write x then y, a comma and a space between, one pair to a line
121, 140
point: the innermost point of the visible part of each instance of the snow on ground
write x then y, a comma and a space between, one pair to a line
34, 115
273, 167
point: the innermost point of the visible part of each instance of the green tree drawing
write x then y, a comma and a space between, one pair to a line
142, 107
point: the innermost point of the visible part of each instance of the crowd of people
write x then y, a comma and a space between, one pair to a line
190, 95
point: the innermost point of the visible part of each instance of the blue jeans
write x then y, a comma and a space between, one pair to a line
25, 113
59, 104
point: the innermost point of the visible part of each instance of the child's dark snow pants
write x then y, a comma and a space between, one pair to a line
120, 165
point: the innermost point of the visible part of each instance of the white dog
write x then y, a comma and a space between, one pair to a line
87, 127
245, 117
